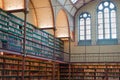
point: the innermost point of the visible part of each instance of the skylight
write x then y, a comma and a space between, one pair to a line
74, 1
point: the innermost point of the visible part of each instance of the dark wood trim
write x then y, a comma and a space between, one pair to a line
93, 62
46, 28
24, 41
14, 11
69, 71
62, 37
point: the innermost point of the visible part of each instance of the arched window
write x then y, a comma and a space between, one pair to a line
85, 29
107, 33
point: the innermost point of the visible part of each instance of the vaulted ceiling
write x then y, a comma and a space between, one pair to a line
72, 8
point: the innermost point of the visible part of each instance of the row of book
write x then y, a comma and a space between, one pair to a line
38, 42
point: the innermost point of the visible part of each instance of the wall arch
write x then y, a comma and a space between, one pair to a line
62, 25
44, 13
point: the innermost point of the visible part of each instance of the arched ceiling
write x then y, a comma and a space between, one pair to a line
8, 4
44, 13
73, 8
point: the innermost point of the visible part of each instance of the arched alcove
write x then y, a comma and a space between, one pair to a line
62, 30
44, 13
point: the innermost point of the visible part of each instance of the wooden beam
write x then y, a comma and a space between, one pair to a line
46, 28
14, 11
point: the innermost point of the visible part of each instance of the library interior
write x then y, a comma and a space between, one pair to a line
59, 39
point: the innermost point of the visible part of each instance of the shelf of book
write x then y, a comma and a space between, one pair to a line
11, 68
57, 72
64, 72
38, 42
95, 71
90, 71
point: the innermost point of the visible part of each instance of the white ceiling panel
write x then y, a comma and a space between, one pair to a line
62, 2
68, 5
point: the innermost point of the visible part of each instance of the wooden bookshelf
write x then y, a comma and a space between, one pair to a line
95, 71
56, 71
11, 67
64, 72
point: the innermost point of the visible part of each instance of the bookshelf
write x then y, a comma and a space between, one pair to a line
95, 71
11, 67
57, 72
64, 71
38, 42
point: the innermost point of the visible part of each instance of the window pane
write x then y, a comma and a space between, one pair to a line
107, 20
88, 37
74, 1
88, 32
81, 21
113, 25
100, 20
106, 3
88, 27
113, 13
114, 36
107, 36
80, 16
113, 20
106, 10
100, 7
100, 26
82, 28
107, 31
106, 15
82, 38
88, 21
100, 15
100, 31
113, 31
82, 32
84, 15
100, 36
107, 26
112, 5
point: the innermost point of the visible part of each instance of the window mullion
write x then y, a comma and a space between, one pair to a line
103, 24
110, 23
85, 30
79, 29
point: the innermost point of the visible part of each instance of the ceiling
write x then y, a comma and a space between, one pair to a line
72, 8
